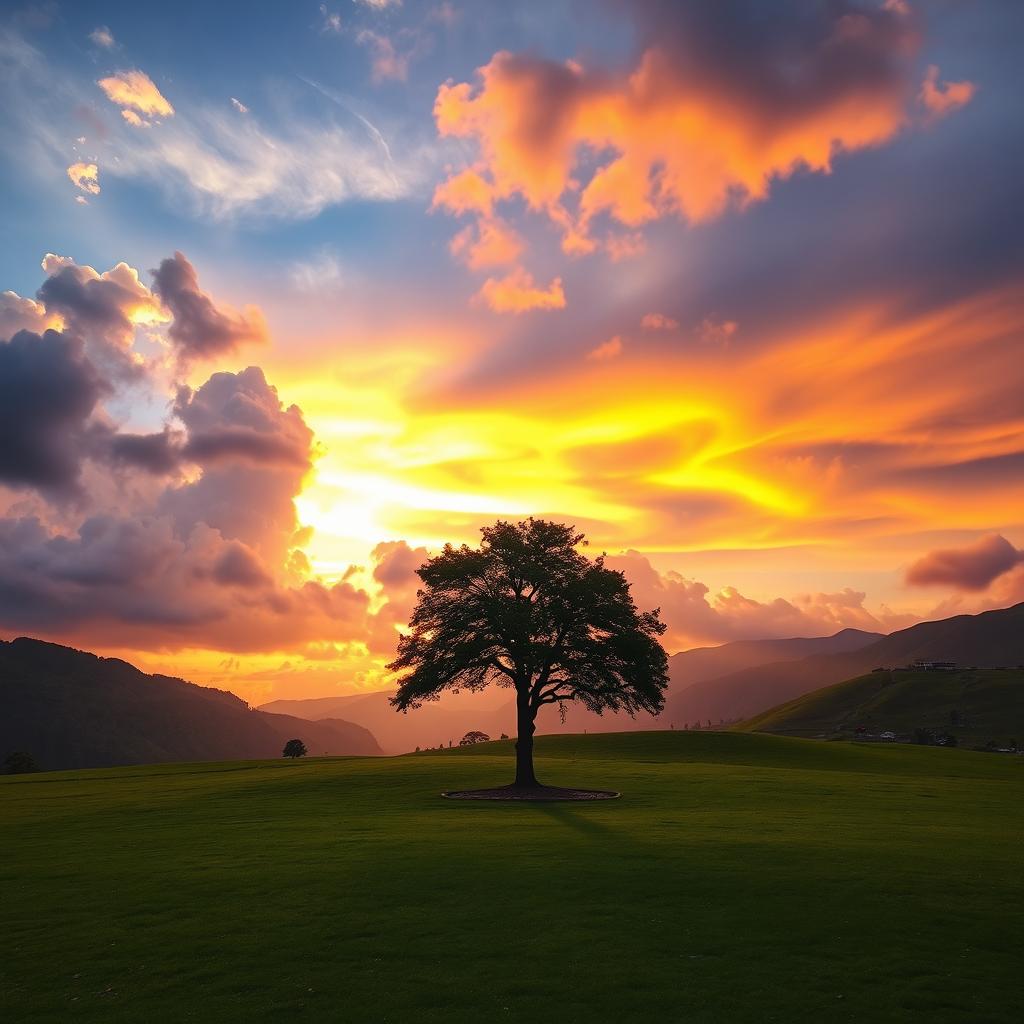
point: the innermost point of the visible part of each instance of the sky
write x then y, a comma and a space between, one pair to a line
294, 294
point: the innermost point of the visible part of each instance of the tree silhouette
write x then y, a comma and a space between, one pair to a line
526, 610
294, 748
19, 763
472, 737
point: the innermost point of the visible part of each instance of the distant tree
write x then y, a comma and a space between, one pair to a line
526, 610
294, 748
504, 736
473, 736
19, 763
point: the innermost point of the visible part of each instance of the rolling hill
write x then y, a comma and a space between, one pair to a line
974, 705
987, 640
70, 709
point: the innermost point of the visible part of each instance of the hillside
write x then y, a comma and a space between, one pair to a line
987, 640
71, 709
741, 878
975, 706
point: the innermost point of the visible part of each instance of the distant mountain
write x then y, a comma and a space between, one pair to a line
989, 639
70, 709
434, 724
689, 668
493, 711
974, 705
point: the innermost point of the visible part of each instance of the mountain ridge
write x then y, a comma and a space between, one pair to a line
73, 709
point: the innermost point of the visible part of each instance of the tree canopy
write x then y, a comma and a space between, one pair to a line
527, 610
294, 748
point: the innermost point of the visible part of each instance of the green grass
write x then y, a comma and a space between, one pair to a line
740, 878
975, 705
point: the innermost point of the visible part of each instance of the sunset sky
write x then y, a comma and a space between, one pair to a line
735, 287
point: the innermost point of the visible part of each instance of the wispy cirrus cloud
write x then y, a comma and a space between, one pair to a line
206, 160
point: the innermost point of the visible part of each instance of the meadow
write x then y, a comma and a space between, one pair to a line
739, 878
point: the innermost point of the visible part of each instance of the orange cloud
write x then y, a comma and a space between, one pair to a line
491, 242
683, 133
607, 350
713, 331
658, 322
86, 177
518, 293
137, 96
941, 98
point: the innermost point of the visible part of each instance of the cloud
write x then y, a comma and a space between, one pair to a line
199, 329
86, 177
102, 36
695, 616
386, 62
973, 567
713, 331
606, 350
208, 162
330, 21
491, 242
100, 308
324, 270
254, 453
204, 557
48, 391
137, 96
719, 104
159, 453
658, 322
942, 98
20, 314
518, 293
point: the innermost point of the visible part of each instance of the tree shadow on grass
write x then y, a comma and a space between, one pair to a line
572, 818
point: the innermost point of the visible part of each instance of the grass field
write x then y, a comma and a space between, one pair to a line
740, 878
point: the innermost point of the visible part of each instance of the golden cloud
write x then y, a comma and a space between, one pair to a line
517, 292
86, 177
136, 94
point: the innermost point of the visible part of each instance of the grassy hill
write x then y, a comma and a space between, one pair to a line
741, 878
975, 706
989, 639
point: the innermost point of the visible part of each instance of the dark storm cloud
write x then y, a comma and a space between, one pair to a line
48, 391
199, 328
159, 453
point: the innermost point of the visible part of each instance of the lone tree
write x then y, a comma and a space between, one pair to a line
19, 763
526, 610
472, 737
294, 748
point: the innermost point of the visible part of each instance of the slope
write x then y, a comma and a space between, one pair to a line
71, 709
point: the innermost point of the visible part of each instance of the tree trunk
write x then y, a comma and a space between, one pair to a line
524, 743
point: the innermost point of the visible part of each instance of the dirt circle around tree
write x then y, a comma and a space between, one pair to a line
540, 794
